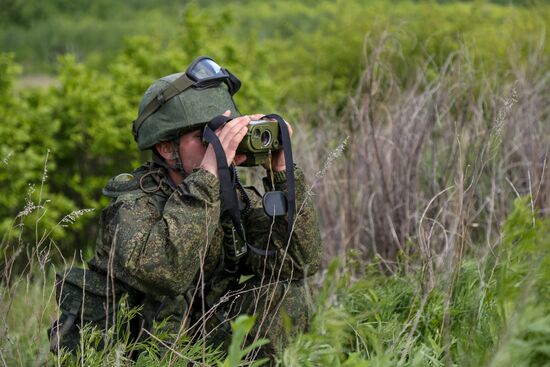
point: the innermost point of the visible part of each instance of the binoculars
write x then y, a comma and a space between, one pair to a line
261, 138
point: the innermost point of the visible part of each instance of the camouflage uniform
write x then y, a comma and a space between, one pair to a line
171, 250
168, 243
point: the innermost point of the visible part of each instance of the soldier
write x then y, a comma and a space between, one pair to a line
165, 238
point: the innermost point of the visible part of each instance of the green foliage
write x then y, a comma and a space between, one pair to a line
522, 289
158, 349
26, 308
115, 347
495, 312
77, 129
240, 329
116, 340
27, 133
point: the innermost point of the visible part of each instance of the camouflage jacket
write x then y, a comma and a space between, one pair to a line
167, 241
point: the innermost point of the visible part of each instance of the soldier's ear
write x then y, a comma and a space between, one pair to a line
165, 150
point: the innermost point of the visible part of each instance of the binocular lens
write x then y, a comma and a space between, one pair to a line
266, 138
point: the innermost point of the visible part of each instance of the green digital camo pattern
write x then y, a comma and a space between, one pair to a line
303, 253
161, 242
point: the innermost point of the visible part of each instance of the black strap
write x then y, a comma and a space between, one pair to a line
289, 163
60, 329
176, 87
261, 251
230, 202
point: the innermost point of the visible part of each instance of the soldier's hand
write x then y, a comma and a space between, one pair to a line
277, 162
230, 135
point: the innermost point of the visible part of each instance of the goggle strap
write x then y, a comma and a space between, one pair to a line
176, 87
234, 83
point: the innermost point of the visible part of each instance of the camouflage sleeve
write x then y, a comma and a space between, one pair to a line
303, 254
158, 253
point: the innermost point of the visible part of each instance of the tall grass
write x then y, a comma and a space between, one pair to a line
424, 190
493, 312
431, 166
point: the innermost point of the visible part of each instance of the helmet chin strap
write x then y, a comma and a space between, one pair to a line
178, 166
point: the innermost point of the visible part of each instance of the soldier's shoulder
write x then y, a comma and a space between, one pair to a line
143, 181
121, 184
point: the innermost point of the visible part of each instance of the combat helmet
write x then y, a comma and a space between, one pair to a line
181, 102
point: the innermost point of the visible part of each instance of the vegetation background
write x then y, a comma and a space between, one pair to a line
423, 125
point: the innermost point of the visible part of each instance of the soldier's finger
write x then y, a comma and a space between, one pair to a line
232, 128
227, 113
239, 158
257, 116
230, 141
233, 139
231, 150
290, 131
243, 120
240, 120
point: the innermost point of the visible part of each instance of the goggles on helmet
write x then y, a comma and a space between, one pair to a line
206, 73
203, 73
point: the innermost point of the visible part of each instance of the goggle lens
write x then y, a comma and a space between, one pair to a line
206, 73
205, 69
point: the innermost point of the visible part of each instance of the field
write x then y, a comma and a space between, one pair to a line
423, 128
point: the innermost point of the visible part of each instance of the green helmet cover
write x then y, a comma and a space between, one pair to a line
189, 110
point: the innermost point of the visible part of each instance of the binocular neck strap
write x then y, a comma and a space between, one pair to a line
229, 200
289, 163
